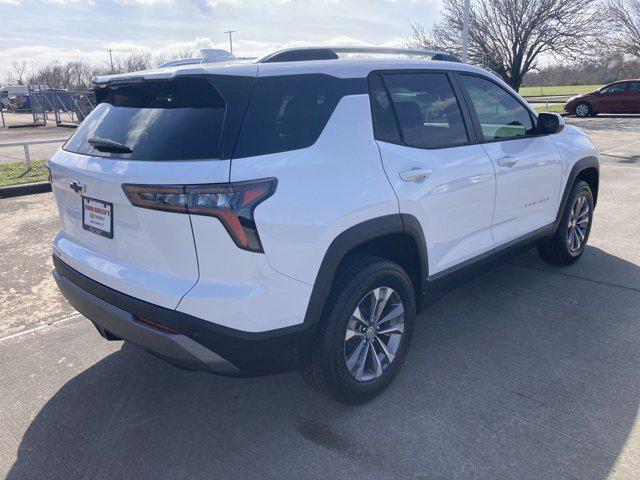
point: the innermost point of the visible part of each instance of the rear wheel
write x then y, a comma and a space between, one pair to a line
582, 109
570, 239
364, 337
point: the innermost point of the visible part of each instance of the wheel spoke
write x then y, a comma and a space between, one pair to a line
390, 356
362, 360
571, 238
381, 295
580, 235
352, 361
377, 366
396, 312
584, 210
392, 328
352, 333
357, 314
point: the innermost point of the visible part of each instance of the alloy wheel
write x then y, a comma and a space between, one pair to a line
582, 110
578, 224
374, 333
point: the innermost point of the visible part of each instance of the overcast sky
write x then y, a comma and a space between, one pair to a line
84, 29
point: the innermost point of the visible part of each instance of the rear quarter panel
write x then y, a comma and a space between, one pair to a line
323, 190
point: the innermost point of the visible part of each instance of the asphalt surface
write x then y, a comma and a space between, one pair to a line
529, 371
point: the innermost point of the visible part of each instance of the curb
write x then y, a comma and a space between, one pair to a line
26, 189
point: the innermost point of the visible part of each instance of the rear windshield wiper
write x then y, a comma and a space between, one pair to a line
106, 145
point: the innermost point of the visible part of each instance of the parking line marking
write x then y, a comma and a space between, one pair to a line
40, 327
618, 148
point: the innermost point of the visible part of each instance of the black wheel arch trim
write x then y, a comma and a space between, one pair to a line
350, 239
580, 166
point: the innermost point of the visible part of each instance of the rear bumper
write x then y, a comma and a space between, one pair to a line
197, 345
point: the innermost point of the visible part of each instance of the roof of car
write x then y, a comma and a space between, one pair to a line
342, 68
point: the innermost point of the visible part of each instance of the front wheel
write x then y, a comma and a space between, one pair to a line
364, 337
570, 239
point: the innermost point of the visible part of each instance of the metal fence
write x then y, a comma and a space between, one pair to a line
44, 104
25, 146
549, 99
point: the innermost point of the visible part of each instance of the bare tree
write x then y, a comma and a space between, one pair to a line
624, 19
18, 72
184, 53
133, 63
510, 36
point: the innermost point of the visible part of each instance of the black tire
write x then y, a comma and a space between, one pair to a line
326, 369
582, 110
557, 250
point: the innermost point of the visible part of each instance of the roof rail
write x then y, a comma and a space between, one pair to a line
332, 53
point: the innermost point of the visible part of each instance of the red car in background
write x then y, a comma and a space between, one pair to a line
617, 97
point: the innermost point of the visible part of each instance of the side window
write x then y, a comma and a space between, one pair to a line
615, 88
427, 110
385, 127
500, 115
288, 112
634, 87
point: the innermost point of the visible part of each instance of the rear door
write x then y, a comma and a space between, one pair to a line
169, 132
439, 174
528, 165
633, 97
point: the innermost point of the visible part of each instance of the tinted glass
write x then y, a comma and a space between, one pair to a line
157, 120
616, 88
289, 112
499, 113
634, 87
427, 110
384, 121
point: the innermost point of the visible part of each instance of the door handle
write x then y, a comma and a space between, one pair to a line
507, 161
414, 174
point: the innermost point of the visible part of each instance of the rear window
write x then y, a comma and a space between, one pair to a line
289, 112
177, 119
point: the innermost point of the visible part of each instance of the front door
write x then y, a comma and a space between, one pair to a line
528, 165
611, 99
439, 175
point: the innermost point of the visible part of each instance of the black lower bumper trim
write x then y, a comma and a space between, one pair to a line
199, 344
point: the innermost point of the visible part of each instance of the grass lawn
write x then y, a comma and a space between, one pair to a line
553, 108
15, 173
559, 90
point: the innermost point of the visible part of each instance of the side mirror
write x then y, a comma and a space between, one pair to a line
550, 123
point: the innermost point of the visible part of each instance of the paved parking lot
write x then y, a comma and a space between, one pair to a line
529, 371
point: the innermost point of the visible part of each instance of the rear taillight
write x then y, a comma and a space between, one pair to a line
232, 203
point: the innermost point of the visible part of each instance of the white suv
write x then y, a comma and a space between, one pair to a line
298, 212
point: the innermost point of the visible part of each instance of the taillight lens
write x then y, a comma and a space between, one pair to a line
232, 203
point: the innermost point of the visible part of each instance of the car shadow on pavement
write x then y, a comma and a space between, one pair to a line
529, 371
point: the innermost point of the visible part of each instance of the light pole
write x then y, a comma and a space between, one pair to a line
111, 59
230, 32
465, 31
